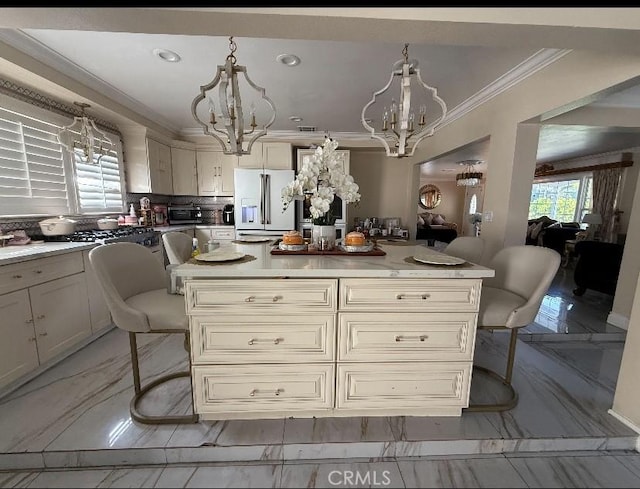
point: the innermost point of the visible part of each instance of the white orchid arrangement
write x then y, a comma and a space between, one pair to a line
320, 179
475, 218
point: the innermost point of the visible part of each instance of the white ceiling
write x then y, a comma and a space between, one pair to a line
328, 89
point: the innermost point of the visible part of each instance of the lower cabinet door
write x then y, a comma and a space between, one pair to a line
403, 385
263, 388
61, 312
18, 353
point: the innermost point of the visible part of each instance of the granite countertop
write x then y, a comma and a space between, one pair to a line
19, 253
396, 263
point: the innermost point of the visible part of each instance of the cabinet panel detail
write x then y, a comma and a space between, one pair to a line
402, 295
25, 274
263, 387
403, 385
263, 339
370, 337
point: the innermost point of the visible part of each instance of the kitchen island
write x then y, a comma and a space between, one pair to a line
312, 335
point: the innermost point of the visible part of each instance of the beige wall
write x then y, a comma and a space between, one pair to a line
383, 185
452, 202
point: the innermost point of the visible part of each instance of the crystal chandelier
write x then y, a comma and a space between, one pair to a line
231, 111
399, 124
85, 137
468, 177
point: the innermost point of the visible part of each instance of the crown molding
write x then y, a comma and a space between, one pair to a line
534, 63
34, 48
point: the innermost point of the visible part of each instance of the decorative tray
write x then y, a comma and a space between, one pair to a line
336, 251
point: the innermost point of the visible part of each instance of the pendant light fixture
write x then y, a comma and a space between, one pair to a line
85, 136
398, 132
468, 177
229, 122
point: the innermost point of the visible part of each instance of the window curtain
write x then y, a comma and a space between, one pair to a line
605, 191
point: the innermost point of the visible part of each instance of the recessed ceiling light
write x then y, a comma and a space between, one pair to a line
288, 59
166, 55
295, 118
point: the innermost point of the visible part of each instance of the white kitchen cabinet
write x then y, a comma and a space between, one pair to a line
160, 173
216, 233
274, 156
18, 352
98, 309
61, 314
184, 170
215, 173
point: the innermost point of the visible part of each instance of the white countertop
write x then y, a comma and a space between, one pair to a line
330, 266
18, 253
184, 227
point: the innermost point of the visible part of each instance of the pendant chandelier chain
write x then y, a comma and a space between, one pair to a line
232, 47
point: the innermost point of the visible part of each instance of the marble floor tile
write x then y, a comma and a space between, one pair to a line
472, 426
17, 479
554, 401
373, 474
478, 472
595, 471
332, 430
70, 478
172, 477
229, 433
237, 476
631, 462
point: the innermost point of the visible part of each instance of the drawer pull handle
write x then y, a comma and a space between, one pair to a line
32, 339
275, 341
254, 298
413, 296
422, 337
28, 321
40, 316
17, 276
38, 271
43, 334
277, 392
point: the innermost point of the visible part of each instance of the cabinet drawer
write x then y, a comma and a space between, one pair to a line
258, 296
257, 339
367, 337
32, 272
401, 295
223, 233
403, 385
244, 388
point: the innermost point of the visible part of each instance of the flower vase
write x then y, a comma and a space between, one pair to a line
324, 236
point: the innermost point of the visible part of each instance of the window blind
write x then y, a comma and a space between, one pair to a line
32, 171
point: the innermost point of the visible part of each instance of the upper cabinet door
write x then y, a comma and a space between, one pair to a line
253, 160
160, 174
185, 176
277, 156
215, 173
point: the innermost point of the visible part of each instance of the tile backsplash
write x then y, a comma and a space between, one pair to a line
207, 204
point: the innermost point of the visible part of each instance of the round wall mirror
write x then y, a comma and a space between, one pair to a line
429, 196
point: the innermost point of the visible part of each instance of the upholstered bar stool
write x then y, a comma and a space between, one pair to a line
177, 246
466, 247
510, 300
133, 282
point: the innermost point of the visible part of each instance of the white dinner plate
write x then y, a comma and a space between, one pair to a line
220, 255
254, 239
439, 259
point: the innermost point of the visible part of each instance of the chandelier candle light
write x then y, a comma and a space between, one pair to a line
469, 177
84, 137
230, 105
320, 179
398, 126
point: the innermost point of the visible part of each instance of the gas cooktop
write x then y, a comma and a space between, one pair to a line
133, 234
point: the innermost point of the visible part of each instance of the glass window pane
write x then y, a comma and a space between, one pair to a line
557, 200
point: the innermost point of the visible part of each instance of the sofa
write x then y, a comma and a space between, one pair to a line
435, 227
550, 233
597, 267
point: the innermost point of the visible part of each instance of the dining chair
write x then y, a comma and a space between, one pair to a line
466, 247
133, 283
510, 300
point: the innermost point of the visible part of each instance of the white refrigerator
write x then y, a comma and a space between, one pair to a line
258, 201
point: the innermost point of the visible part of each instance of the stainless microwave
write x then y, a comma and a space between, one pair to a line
185, 214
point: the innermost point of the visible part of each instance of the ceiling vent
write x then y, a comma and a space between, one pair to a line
307, 128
